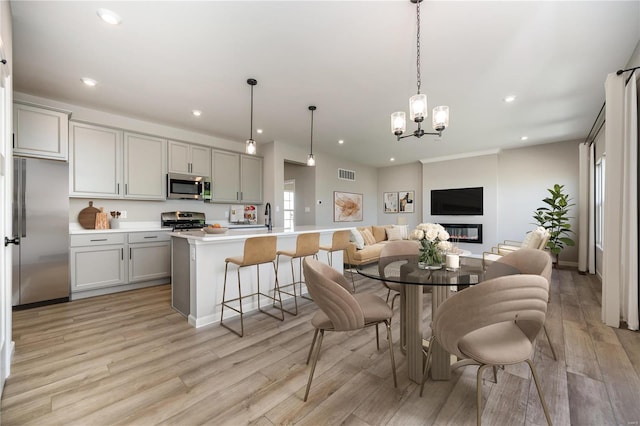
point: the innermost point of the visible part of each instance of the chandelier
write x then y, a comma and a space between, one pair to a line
418, 103
250, 147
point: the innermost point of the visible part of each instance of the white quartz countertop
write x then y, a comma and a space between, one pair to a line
76, 229
233, 234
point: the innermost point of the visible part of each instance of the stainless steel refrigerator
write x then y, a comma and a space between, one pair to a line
41, 228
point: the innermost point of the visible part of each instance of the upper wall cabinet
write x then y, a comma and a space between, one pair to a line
109, 163
40, 132
189, 159
236, 177
145, 159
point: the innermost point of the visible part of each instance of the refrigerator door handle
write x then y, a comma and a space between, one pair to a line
15, 225
8, 241
23, 202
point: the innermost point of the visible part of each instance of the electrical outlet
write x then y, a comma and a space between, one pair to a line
123, 214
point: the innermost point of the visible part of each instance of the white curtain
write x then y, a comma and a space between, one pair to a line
586, 216
620, 254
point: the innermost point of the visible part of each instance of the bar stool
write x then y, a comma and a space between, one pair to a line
257, 250
306, 245
340, 241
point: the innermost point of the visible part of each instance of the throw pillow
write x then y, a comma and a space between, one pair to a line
394, 234
404, 231
369, 239
356, 237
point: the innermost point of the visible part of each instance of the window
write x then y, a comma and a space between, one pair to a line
599, 201
289, 205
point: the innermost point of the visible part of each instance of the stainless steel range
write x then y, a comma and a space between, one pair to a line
182, 220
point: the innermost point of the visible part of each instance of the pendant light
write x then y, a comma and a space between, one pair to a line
250, 147
311, 161
418, 103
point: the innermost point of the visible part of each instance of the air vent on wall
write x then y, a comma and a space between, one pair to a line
346, 174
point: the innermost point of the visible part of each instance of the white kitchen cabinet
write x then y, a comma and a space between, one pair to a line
109, 163
144, 167
97, 261
95, 161
103, 263
236, 177
149, 256
189, 159
251, 179
40, 131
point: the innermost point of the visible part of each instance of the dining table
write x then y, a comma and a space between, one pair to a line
407, 270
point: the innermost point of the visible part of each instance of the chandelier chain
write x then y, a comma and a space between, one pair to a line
418, 46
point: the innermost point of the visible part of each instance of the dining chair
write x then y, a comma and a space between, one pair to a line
535, 239
392, 252
491, 324
340, 241
340, 310
529, 261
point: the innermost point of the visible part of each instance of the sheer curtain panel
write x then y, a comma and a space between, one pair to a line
620, 260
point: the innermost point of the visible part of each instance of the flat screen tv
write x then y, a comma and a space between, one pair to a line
457, 202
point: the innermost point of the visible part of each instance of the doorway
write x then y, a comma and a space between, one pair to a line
304, 192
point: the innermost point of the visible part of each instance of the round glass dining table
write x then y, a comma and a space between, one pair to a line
405, 270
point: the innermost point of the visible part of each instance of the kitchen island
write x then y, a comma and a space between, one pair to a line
197, 268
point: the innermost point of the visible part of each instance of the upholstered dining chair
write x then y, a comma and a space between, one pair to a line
493, 323
340, 310
396, 251
529, 261
535, 239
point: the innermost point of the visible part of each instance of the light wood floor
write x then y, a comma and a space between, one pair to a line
130, 359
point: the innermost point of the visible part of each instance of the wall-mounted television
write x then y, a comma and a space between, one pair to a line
457, 202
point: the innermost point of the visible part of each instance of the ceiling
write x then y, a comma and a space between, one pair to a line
354, 60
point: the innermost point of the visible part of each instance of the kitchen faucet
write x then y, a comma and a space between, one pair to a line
267, 220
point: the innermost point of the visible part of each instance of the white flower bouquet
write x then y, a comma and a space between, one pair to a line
433, 240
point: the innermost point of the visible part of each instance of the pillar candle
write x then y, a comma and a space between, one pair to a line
453, 261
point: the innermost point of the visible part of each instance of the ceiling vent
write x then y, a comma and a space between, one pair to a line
346, 174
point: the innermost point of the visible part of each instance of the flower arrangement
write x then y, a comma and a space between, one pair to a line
433, 240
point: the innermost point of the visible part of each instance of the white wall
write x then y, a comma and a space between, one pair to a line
407, 177
524, 175
464, 173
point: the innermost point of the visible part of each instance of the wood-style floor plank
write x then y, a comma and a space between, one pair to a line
129, 359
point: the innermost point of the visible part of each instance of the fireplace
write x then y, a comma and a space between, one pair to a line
464, 232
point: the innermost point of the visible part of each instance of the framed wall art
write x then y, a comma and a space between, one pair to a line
347, 207
390, 200
406, 201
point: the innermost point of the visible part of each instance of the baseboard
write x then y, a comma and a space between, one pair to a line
568, 263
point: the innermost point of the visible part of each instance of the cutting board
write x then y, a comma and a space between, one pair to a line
102, 219
87, 216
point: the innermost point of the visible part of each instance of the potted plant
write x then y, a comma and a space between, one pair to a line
555, 218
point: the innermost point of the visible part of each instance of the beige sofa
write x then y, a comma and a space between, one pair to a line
370, 253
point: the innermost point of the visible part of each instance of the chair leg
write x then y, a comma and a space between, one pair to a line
388, 294
313, 365
393, 361
353, 283
427, 365
479, 393
495, 374
377, 338
535, 379
313, 343
393, 300
553, 351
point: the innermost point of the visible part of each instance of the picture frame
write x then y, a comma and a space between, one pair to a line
347, 207
406, 202
390, 202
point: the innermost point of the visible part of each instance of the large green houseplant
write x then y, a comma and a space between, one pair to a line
555, 218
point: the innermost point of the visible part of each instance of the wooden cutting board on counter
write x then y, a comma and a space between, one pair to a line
102, 219
87, 216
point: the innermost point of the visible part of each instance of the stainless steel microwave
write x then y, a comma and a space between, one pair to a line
187, 187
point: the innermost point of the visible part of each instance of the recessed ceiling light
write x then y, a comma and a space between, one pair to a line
89, 81
524, 138
259, 131
392, 159
509, 99
196, 112
341, 141
109, 17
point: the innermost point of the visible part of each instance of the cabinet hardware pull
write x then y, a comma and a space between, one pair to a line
129, 253
154, 236
126, 188
118, 190
121, 254
99, 239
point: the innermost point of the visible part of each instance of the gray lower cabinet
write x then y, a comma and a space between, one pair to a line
103, 263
